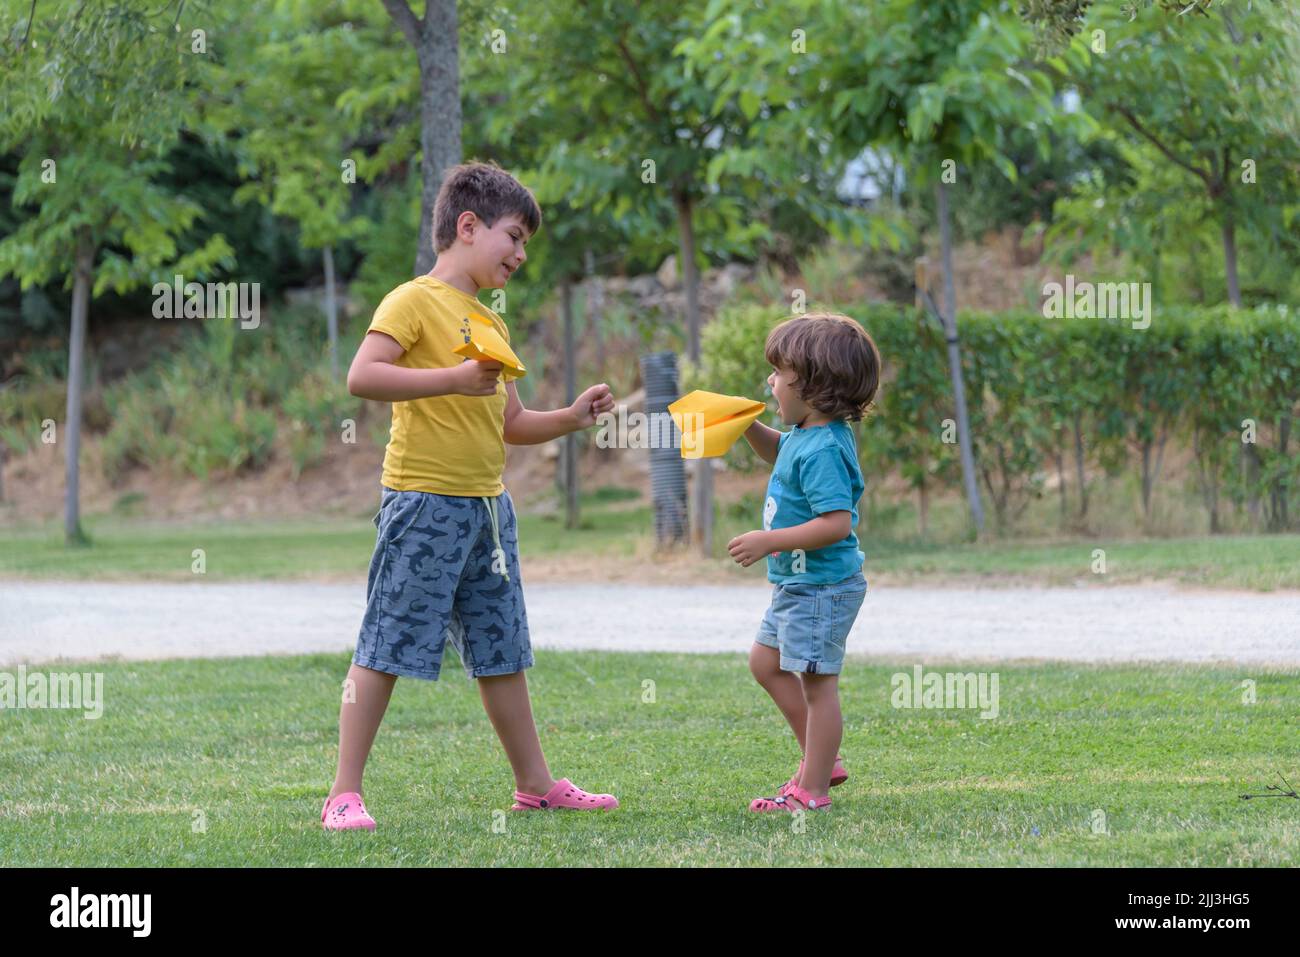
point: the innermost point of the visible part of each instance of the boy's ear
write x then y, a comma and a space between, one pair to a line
466, 224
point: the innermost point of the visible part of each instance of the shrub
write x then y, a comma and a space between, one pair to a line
1040, 391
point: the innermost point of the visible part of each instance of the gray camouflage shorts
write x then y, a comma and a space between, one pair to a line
445, 566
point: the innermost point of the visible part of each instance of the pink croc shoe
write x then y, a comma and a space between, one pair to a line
564, 794
838, 775
346, 812
796, 799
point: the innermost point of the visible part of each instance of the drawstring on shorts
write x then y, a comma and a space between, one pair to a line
498, 553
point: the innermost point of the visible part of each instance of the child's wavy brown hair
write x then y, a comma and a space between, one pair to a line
836, 363
486, 190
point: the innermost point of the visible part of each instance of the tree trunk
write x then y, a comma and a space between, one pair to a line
595, 303
570, 394
1230, 259
690, 280
924, 490
82, 275
1250, 469
1151, 470
1207, 475
1279, 492
702, 499
331, 311
1078, 465
993, 495
968, 472
436, 41
1003, 500
1146, 478
1060, 480
1160, 456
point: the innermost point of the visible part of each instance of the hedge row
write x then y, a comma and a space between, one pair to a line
1069, 394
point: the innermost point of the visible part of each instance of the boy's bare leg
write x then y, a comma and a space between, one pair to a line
505, 699
825, 729
359, 719
783, 686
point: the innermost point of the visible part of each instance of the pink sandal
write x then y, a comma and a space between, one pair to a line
346, 812
838, 775
564, 794
796, 799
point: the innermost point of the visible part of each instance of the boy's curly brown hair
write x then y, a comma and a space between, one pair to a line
487, 191
835, 361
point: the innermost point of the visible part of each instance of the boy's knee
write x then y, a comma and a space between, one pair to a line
356, 671
817, 687
764, 663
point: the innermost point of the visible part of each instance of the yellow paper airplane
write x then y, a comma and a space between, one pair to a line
711, 423
486, 344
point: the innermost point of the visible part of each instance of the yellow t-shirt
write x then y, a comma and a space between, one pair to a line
448, 444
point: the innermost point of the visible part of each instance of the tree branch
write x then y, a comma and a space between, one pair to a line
1169, 154
28, 32
636, 75
626, 55
1232, 27
401, 13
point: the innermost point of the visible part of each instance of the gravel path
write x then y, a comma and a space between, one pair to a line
43, 621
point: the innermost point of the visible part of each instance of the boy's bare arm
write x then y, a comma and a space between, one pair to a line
526, 427
374, 376
763, 441
826, 529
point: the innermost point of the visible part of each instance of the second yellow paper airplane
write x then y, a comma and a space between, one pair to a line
710, 423
486, 345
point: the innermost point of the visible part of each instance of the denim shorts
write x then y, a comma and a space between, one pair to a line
809, 623
445, 566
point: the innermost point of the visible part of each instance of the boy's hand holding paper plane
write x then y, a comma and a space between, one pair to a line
710, 423
487, 345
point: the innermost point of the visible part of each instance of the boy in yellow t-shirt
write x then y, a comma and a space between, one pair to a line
446, 561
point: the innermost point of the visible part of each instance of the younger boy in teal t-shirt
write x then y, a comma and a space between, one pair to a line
825, 373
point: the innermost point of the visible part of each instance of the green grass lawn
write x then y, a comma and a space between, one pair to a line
127, 549
264, 549
249, 744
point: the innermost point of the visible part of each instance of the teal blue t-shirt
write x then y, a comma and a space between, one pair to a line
816, 471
